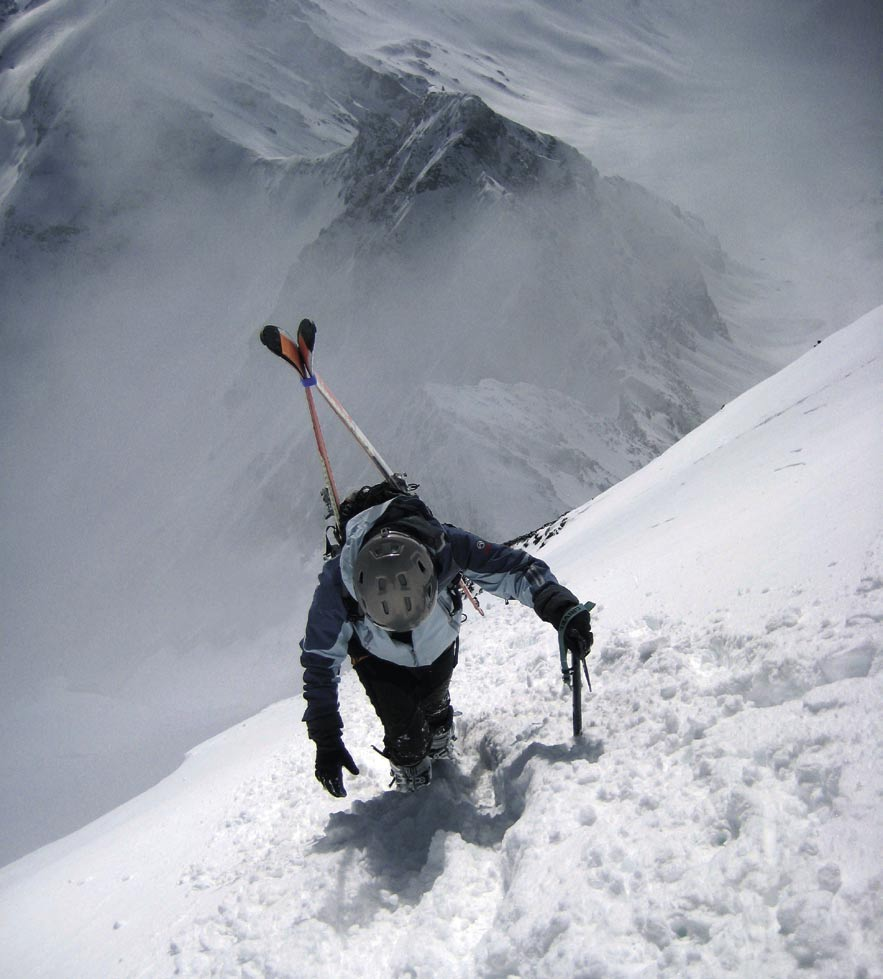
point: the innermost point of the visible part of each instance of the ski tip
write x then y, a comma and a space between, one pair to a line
279, 343
272, 339
306, 331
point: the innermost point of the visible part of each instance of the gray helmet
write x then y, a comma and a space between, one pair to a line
395, 580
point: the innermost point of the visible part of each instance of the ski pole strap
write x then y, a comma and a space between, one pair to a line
566, 619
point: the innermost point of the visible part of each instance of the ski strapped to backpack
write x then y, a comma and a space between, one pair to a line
299, 354
572, 674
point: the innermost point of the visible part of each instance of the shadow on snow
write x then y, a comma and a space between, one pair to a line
402, 836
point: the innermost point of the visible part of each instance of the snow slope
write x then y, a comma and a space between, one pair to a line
721, 815
167, 174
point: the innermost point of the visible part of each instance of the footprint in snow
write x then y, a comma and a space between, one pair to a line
786, 619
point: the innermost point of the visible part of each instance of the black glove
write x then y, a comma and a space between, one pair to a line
551, 602
331, 759
578, 636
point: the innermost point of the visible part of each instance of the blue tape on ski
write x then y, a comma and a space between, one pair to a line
309, 382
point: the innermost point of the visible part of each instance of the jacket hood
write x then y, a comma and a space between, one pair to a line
404, 513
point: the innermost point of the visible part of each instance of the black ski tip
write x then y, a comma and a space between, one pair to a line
307, 330
271, 339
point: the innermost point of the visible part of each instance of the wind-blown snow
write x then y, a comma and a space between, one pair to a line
721, 814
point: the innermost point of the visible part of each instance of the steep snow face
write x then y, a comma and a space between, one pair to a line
721, 815
164, 170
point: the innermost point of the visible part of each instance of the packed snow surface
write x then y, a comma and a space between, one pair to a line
719, 816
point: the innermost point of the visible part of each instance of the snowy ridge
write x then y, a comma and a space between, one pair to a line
174, 175
721, 815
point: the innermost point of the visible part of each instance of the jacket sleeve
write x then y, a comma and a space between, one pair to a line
323, 649
504, 571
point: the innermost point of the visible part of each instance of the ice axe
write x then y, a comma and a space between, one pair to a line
573, 675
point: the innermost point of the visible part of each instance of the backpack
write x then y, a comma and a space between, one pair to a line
365, 498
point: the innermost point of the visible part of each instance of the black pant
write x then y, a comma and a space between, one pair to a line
411, 702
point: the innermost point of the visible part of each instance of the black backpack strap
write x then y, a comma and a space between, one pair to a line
353, 612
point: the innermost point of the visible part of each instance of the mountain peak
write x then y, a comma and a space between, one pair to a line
451, 141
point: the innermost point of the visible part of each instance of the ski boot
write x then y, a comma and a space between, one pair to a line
409, 778
442, 744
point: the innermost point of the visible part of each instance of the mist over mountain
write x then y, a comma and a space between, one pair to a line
762, 118
471, 249
514, 329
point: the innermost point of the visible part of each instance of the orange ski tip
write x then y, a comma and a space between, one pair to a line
283, 346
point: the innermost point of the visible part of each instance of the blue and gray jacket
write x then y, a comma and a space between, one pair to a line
335, 628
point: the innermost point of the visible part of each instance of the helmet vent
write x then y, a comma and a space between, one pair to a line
394, 580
